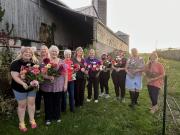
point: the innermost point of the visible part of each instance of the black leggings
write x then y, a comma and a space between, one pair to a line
119, 79
79, 89
93, 82
153, 93
39, 95
104, 79
52, 104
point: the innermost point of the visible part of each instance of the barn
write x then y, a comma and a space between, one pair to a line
52, 22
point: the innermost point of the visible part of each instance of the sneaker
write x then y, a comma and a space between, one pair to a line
107, 96
48, 122
58, 121
102, 94
88, 100
123, 100
95, 101
154, 109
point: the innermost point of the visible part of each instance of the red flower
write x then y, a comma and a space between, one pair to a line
46, 61
61, 70
113, 62
76, 67
35, 71
54, 65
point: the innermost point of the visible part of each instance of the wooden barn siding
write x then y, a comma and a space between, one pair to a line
27, 16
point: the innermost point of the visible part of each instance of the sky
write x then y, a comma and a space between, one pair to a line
151, 24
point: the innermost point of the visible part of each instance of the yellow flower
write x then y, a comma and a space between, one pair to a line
48, 66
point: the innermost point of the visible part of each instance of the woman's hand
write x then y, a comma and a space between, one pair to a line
25, 86
86, 72
51, 78
65, 87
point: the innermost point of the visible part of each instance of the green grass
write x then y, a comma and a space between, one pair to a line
108, 117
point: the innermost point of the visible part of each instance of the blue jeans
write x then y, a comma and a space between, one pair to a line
70, 90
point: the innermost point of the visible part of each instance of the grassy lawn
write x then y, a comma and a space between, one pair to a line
108, 117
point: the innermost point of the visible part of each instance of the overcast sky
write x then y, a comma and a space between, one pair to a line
151, 24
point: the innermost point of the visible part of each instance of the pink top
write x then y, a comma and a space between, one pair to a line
155, 70
57, 85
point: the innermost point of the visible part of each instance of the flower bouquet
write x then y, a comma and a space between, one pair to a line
75, 68
50, 68
105, 64
32, 75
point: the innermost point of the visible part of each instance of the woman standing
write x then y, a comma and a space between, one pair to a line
105, 76
44, 53
134, 68
53, 89
80, 77
119, 76
70, 87
155, 72
93, 75
24, 96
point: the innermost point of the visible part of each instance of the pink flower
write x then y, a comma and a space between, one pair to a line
82, 69
35, 71
34, 83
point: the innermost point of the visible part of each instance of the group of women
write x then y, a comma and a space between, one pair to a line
126, 74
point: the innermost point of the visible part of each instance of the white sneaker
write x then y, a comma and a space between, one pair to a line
48, 122
88, 100
123, 100
101, 95
107, 96
95, 101
58, 121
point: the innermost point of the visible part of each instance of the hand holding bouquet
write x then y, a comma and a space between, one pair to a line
31, 75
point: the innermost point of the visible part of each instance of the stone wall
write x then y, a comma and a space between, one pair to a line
107, 41
173, 54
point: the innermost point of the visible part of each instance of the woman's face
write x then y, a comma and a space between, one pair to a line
54, 54
153, 57
134, 52
79, 52
68, 56
92, 54
27, 55
44, 52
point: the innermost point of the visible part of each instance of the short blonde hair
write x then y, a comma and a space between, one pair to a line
54, 48
67, 51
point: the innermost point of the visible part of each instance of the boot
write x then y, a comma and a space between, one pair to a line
132, 96
136, 98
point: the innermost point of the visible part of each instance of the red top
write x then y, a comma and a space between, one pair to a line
157, 68
69, 64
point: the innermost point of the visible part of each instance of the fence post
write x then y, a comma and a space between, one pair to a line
164, 108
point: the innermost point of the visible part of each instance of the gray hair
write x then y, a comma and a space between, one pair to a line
67, 51
54, 48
